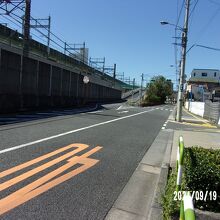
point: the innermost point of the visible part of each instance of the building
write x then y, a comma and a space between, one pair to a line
202, 83
210, 78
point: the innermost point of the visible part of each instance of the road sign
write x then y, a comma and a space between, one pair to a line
85, 79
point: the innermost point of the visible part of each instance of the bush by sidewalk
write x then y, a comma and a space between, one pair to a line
201, 174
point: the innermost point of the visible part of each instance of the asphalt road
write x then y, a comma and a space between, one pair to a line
73, 167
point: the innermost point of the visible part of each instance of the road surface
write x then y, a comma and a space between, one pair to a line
73, 166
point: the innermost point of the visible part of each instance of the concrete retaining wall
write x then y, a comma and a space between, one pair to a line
36, 83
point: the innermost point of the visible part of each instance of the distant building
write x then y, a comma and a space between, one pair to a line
202, 83
207, 77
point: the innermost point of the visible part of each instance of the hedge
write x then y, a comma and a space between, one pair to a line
201, 173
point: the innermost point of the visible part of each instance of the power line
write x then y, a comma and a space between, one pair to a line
20, 26
54, 43
180, 13
176, 37
214, 2
193, 9
192, 13
207, 25
63, 42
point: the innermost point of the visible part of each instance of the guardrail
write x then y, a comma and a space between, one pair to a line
186, 205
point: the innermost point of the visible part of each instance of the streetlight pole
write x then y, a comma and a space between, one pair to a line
183, 61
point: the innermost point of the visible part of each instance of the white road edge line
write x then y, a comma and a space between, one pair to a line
119, 107
123, 112
69, 132
95, 112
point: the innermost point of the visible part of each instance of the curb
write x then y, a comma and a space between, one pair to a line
156, 211
201, 215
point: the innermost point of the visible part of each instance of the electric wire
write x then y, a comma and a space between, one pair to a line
53, 42
58, 38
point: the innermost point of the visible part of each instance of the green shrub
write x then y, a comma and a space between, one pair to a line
170, 206
201, 173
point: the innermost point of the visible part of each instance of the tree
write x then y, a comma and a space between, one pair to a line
157, 90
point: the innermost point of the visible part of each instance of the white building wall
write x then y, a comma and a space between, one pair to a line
197, 108
206, 74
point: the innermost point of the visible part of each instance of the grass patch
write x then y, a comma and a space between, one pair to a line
201, 173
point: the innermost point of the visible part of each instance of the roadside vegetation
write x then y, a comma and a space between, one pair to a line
157, 90
201, 174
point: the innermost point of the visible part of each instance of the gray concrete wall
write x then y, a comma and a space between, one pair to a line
29, 83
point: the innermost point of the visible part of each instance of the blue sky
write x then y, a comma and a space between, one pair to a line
128, 32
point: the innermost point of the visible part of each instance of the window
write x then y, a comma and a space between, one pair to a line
214, 74
204, 74
194, 74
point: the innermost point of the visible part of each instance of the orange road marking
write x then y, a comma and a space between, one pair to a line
31, 162
30, 173
41, 185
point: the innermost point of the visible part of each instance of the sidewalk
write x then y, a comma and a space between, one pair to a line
193, 138
140, 199
189, 118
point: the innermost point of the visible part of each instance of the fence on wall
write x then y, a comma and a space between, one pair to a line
212, 111
208, 110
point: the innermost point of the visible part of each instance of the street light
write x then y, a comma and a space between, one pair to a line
168, 23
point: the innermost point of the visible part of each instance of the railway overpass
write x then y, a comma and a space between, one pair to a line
38, 80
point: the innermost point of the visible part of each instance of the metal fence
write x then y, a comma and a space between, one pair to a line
212, 111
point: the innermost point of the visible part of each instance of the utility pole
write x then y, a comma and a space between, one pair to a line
142, 79
84, 52
36, 24
133, 90
48, 36
103, 67
114, 73
27, 26
183, 61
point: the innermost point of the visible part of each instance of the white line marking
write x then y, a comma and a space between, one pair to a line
124, 107
94, 112
70, 132
119, 107
163, 128
122, 112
